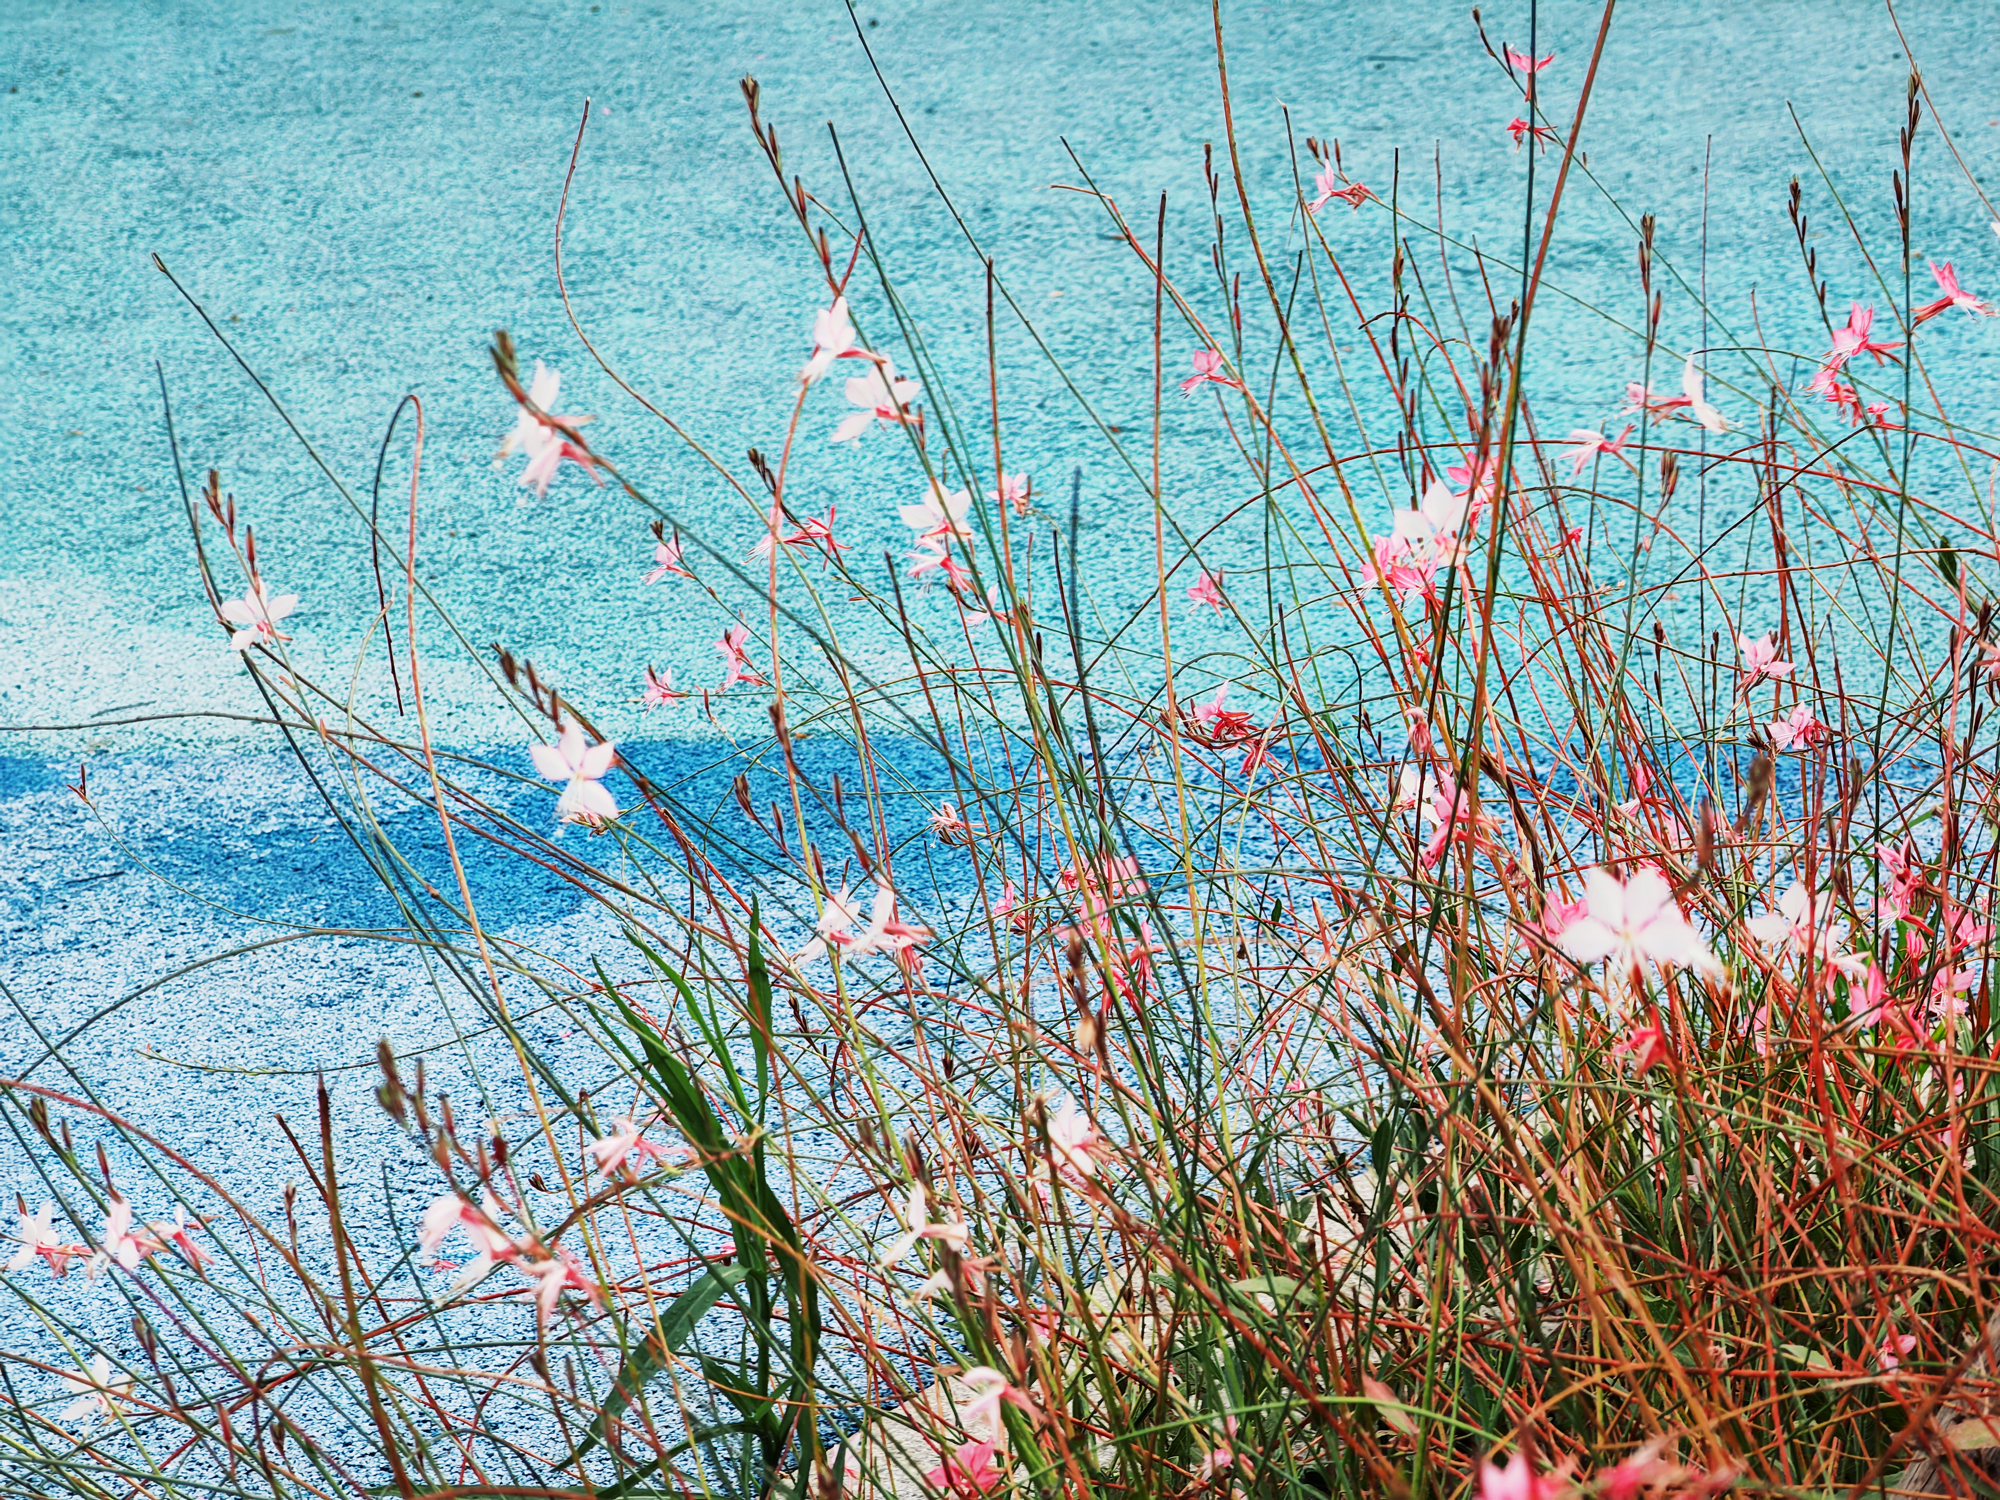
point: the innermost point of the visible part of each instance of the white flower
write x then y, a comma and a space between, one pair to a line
1632, 922
100, 1391
256, 616
1801, 919
939, 514
584, 799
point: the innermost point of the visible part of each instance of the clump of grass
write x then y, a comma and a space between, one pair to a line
1489, 990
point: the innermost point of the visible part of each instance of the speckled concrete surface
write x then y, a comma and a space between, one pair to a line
361, 193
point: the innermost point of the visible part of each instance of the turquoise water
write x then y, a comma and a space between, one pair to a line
361, 194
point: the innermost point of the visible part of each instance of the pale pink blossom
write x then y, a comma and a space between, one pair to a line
1798, 730
659, 690
1222, 1457
100, 1393
256, 616
991, 1390
120, 1244
1525, 63
1074, 1140
1325, 190
879, 397
179, 1234
582, 769
1855, 339
969, 1471
887, 933
933, 555
1954, 296
491, 1244
1585, 444
1639, 398
1208, 590
1760, 659
737, 658
1440, 519
992, 610
610, 1152
667, 556
1017, 490
1208, 370
1634, 922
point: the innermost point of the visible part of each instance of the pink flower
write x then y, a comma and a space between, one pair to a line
938, 515
482, 1227
1074, 1140
949, 826
993, 609
534, 434
1408, 574
887, 933
1208, 590
1452, 815
880, 397
1893, 1348
1634, 922
1525, 63
810, 532
1017, 490
1905, 869
1799, 730
1645, 1469
1643, 1048
934, 555
1222, 1457
1947, 280
667, 554
1208, 371
1760, 659
737, 659
969, 1471
1521, 130
1586, 445
1557, 917
659, 689
1222, 727
560, 1272
584, 799
1854, 339
1353, 195
611, 1151
179, 1234
1439, 520
1518, 1481
256, 616
1638, 398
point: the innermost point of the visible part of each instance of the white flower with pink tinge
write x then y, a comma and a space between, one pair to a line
1634, 922
584, 799
833, 338
938, 515
256, 616
917, 1225
1074, 1140
610, 1152
537, 437
881, 397
482, 1227
1802, 920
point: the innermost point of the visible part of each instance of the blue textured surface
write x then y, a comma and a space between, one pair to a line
361, 194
